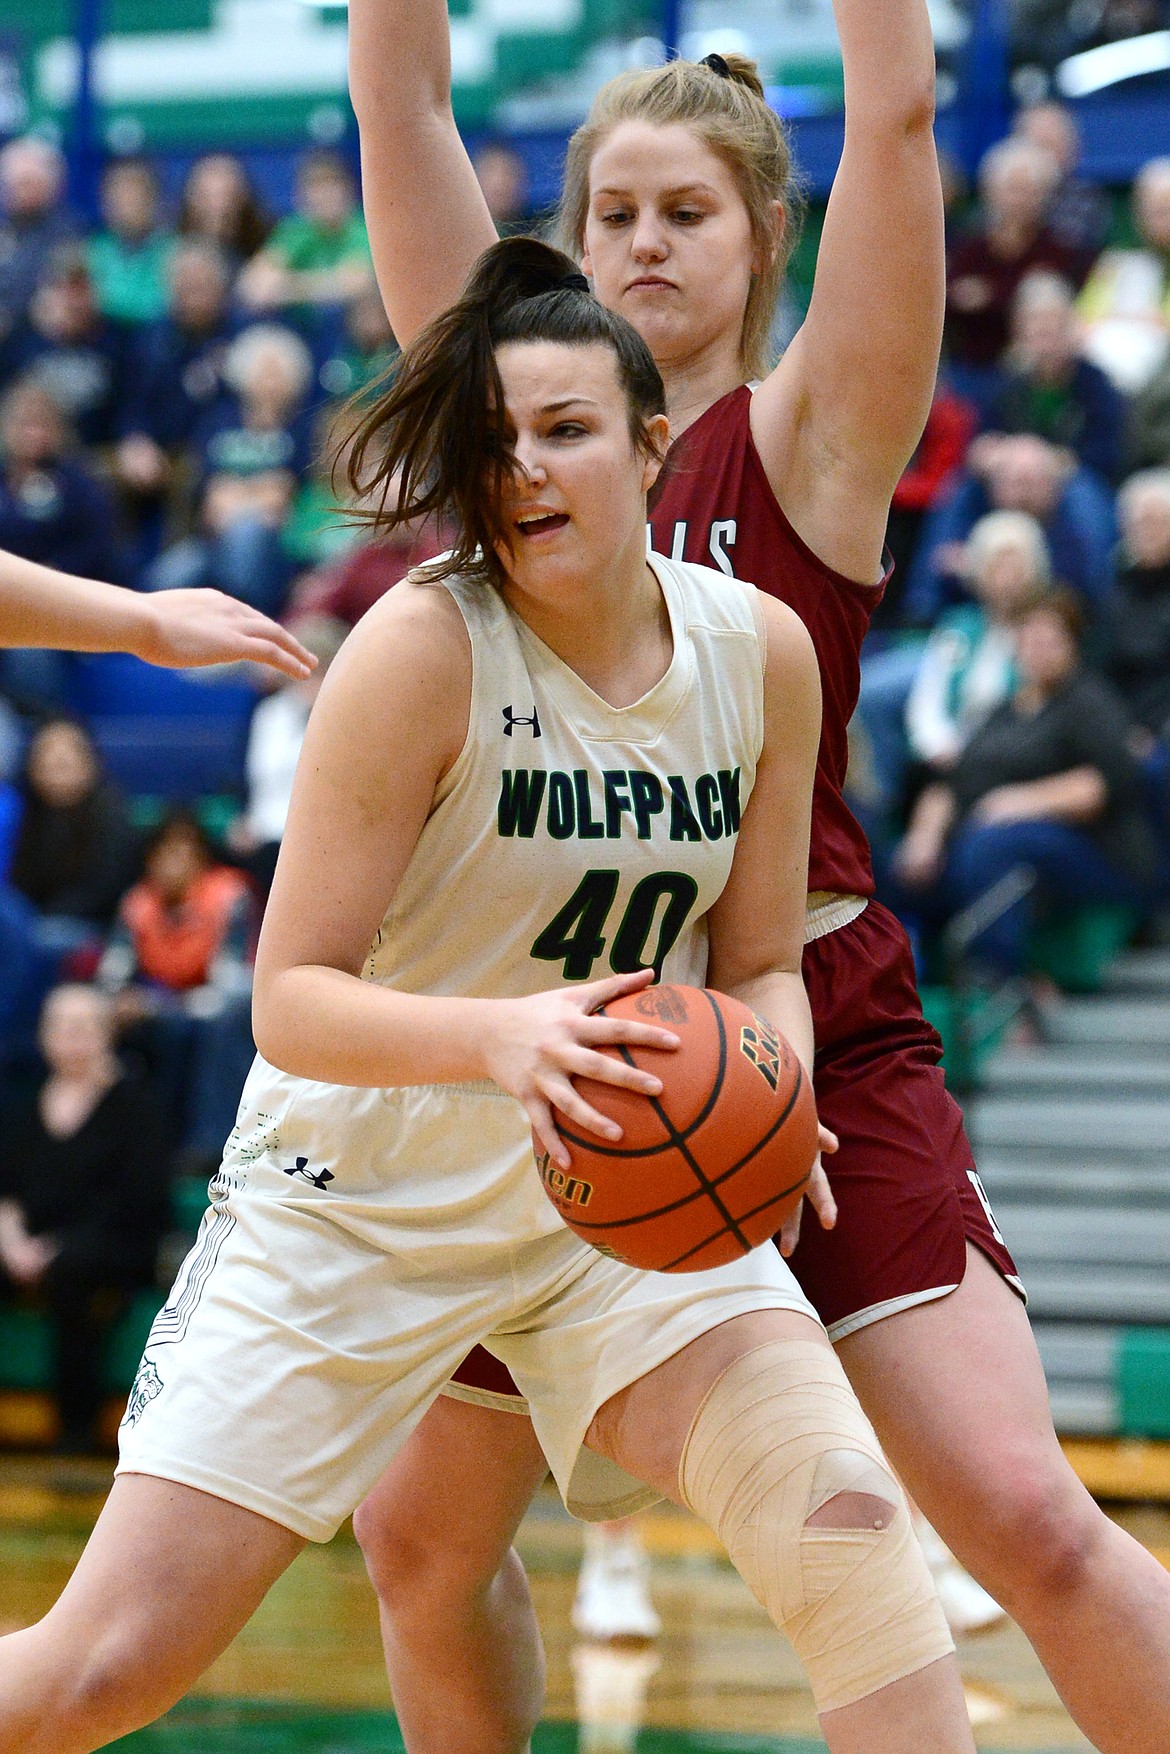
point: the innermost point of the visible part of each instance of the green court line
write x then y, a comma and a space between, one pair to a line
241, 1727
267, 1727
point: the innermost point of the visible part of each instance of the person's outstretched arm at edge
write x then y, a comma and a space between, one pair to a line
178, 629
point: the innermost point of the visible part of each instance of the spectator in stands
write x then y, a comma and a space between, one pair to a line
365, 351
1115, 20
920, 704
1025, 474
1137, 654
128, 259
177, 374
75, 849
237, 545
69, 854
1009, 239
941, 451
220, 207
1049, 388
67, 345
318, 258
274, 747
1147, 428
252, 449
54, 510
83, 1198
33, 223
1126, 302
262, 426
321, 527
178, 961
1078, 211
503, 177
968, 667
1047, 785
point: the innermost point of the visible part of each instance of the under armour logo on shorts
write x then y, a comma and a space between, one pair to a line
511, 720
319, 1178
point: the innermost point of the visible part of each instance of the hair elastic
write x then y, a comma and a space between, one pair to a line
571, 283
717, 65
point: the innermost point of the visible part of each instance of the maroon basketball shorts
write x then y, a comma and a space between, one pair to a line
909, 1198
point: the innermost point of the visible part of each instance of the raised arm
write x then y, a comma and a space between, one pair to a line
428, 221
177, 629
840, 417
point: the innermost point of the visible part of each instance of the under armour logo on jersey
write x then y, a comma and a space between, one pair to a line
318, 1178
511, 720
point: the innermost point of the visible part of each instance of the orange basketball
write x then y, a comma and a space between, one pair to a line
711, 1167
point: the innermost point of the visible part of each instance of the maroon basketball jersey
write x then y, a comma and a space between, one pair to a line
714, 505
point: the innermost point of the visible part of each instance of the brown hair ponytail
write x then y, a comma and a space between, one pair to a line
434, 443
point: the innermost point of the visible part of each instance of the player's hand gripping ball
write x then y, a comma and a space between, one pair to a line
713, 1166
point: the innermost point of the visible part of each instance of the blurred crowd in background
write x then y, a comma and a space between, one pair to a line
170, 389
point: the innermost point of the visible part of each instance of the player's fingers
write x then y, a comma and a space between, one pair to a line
790, 1231
562, 1096
595, 993
820, 1197
629, 1033
544, 1130
280, 639
276, 656
583, 1063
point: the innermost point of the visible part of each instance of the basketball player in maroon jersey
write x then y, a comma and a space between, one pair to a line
676, 198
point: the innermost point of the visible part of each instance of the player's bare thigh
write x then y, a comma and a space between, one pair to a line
452, 1499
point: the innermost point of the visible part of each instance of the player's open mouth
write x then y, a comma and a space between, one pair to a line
542, 523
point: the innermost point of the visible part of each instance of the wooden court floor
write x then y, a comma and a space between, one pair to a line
306, 1673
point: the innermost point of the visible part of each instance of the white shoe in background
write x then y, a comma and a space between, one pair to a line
966, 1604
613, 1588
610, 1683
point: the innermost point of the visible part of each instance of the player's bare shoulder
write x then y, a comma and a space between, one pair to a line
792, 678
402, 679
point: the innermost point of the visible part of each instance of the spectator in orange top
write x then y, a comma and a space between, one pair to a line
178, 962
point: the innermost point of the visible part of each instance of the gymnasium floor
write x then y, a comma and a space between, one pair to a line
305, 1677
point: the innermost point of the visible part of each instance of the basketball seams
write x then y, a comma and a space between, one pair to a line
679, 1140
686, 1145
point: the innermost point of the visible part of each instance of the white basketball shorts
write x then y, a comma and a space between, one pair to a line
359, 1243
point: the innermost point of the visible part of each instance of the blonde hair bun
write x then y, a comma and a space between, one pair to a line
744, 71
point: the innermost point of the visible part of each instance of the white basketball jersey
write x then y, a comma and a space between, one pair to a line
572, 839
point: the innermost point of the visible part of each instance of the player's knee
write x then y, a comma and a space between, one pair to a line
418, 1570
1043, 1521
114, 1687
781, 1461
400, 1555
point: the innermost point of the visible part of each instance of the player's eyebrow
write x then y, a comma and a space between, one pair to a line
569, 402
678, 194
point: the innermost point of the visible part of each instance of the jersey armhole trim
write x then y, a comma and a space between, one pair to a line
757, 609
450, 780
870, 594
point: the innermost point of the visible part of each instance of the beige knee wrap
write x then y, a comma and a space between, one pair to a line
779, 1434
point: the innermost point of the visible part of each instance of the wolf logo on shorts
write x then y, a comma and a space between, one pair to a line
147, 1384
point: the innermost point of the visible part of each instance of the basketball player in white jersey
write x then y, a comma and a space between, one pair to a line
543, 759
176, 629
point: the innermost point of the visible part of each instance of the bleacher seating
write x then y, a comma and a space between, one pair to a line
1073, 1144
